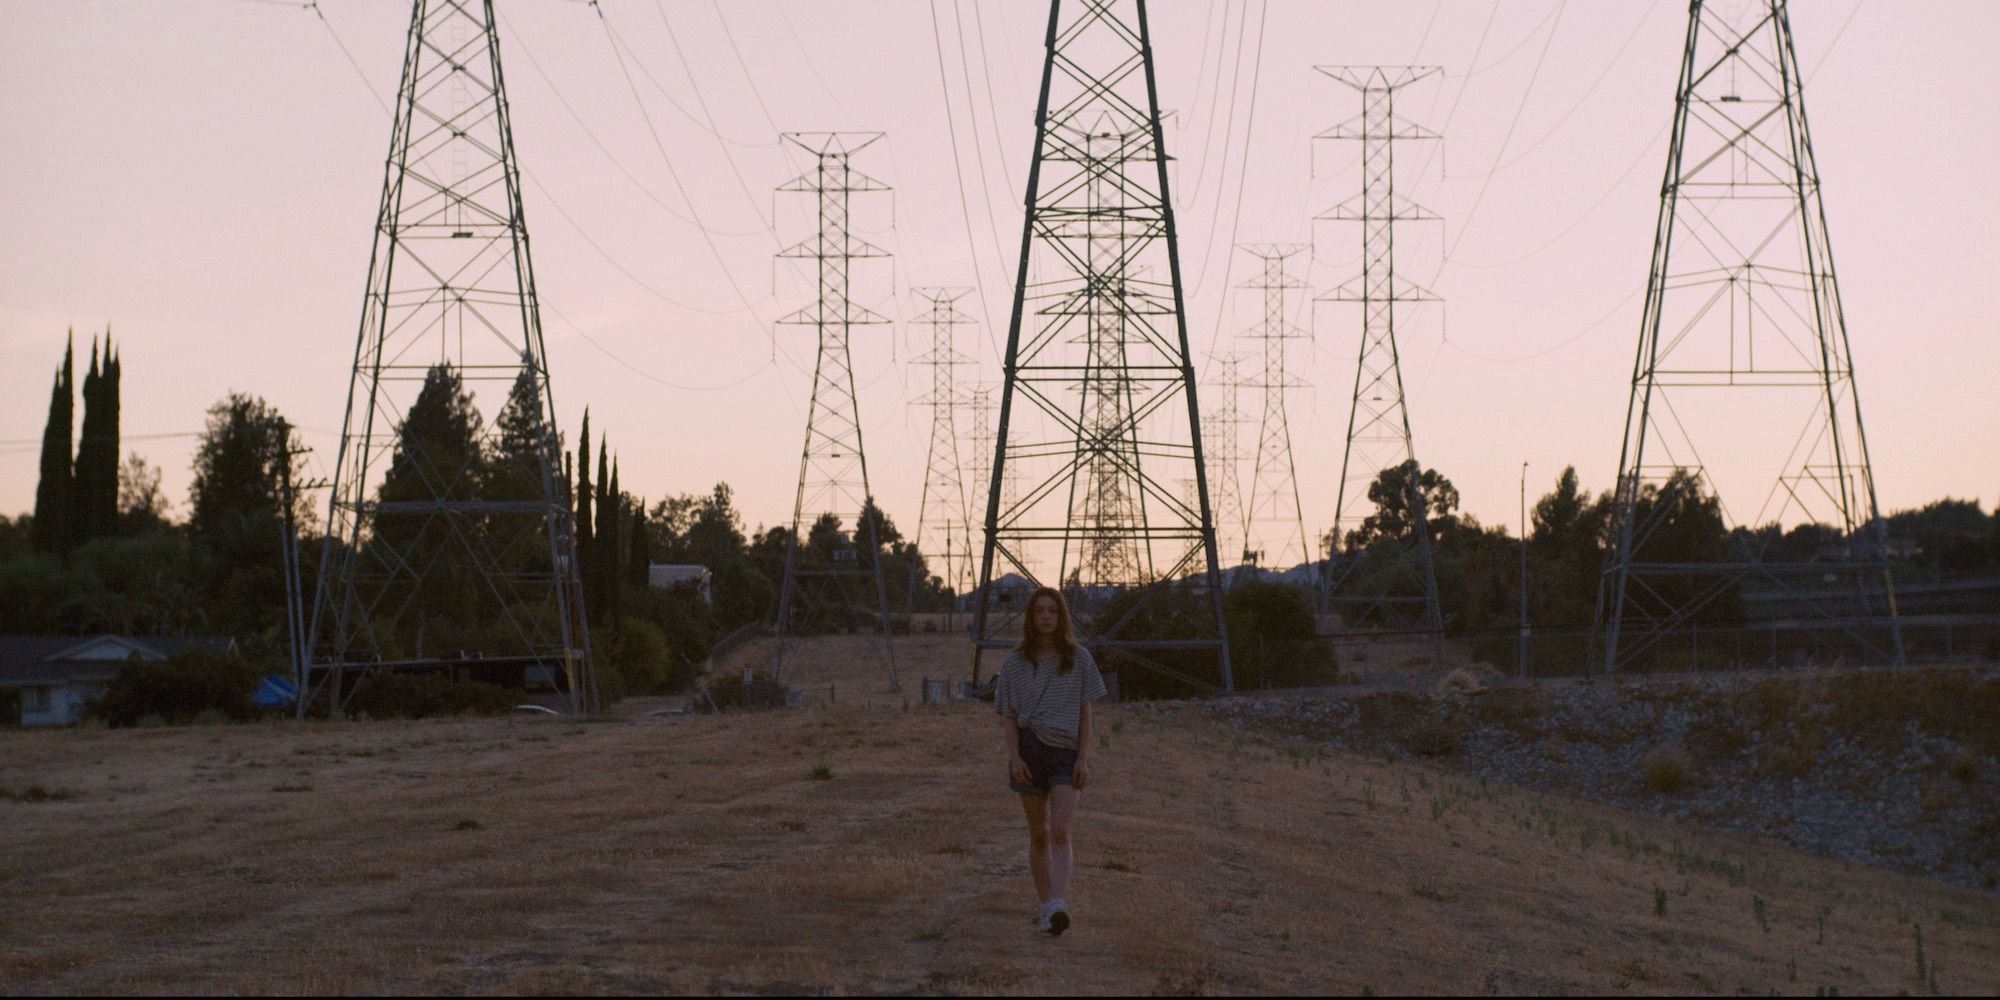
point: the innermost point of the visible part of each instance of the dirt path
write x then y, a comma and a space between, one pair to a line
702, 853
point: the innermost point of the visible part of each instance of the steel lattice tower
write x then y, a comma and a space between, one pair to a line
1282, 541
943, 526
1378, 422
424, 532
1742, 334
1220, 427
1098, 410
826, 583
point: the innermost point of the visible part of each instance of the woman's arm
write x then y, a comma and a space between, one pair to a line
1080, 775
1016, 767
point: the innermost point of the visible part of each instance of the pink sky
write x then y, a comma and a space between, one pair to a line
203, 176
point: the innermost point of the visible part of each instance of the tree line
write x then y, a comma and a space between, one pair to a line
104, 551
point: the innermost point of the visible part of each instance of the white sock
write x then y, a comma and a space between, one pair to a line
1054, 905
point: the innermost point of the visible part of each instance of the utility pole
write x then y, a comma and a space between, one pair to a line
1521, 654
1098, 410
288, 551
1378, 421
420, 527
1743, 341
826, 584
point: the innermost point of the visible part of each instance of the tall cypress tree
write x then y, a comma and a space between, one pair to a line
94, 478
107, 501
586, 558
605, 573
51, 532
640, 549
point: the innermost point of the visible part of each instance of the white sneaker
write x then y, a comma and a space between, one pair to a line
1042, 919
1056, 919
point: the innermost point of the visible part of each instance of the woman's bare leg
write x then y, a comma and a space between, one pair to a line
1062, 811
1036, 808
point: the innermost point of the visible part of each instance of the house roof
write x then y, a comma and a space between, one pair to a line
55, 659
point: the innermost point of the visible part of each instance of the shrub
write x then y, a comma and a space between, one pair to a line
180, 689
1460, 680
1667, 770
1272, 638
390, 695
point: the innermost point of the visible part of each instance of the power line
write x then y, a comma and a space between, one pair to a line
1557, 346
1527, 37
372, 92
606, 150
708, 126
672, 171
1526, 92
740, 64
1243, 172
649, 376
1616, 58
958, 174
805, 56
701, 100
978, 148
986, 74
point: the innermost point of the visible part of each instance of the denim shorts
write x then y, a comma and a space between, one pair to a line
1047, 765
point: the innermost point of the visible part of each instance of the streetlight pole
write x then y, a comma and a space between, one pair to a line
1521, 653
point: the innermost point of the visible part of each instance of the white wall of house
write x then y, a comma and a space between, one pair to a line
57, 704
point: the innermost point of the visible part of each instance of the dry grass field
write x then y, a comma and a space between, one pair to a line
869, 847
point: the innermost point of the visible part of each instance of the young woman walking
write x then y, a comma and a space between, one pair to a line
1043, 696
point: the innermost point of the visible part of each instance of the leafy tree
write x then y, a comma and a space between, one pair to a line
1394, 492
439, 454
1680, 521
238, 466
715, 532
53, 526
1951, 536
157, 583
514, 470
236, 513
1567, 519
15, 535
142, 505
35, 590
439, 458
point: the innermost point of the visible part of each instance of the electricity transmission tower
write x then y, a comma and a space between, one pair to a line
1743, 389
1275, 529
833, 578
942, 515
1098, 411
1378, 422
1221, 426
449, 544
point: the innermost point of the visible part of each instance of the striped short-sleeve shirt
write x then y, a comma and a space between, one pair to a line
1038, 696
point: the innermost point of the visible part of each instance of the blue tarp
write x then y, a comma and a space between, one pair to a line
275, 692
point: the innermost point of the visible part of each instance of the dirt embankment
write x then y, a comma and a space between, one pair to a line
1890, 767
875, 849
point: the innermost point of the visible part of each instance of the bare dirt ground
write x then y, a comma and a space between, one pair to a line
865, 847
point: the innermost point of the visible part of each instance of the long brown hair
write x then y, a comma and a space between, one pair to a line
1064, 638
